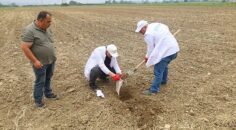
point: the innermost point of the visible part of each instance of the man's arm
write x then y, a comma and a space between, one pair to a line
25, 46
116, 66
114, 76
150, 45
106, 70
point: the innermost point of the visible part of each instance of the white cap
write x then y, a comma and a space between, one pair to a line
140, 25
112, 50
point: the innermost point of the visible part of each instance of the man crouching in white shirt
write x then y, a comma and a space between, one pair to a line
162, 48
101, 64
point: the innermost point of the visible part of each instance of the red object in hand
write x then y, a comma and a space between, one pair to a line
116, 77
146, 59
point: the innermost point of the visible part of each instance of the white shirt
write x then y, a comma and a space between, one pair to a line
160, 43
97, 58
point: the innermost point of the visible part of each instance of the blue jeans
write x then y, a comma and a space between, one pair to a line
161, 73
42, 81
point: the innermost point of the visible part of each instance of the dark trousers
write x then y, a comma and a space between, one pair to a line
42, 83
95, 73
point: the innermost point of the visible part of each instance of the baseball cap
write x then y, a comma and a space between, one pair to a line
112, 49
140, 25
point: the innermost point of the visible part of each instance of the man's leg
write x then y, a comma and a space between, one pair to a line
94, 74
159, 69
161, 72
102, 75
47, 88
40, 77
165, 73
165, 76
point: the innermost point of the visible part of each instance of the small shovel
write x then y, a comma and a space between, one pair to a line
131, 72
124, 76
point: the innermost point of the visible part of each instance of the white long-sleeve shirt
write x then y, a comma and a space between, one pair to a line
97, 58
160, 43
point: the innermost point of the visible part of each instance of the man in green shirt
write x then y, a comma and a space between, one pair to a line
38, 48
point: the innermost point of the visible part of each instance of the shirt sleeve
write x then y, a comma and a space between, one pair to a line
27, 36
116, 66
101, 64
150, 44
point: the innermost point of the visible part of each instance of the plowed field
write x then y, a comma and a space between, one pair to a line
200, 94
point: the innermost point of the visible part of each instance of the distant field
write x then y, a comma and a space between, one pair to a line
210, 4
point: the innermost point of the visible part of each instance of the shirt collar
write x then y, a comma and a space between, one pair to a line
36, 27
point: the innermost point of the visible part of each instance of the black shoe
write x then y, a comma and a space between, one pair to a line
40, 104
51, 96
163, 83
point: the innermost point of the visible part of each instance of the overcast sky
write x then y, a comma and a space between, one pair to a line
36, 2
28, 2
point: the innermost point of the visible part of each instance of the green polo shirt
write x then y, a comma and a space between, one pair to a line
42, 43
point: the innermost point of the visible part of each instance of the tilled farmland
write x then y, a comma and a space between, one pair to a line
200, 93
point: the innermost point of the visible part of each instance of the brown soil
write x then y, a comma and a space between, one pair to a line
200, 93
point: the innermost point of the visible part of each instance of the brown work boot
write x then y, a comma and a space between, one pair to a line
52, 96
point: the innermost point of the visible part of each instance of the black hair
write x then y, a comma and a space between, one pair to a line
43, 15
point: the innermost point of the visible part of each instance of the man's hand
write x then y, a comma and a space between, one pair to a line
116, 77
146, 59
37, 64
